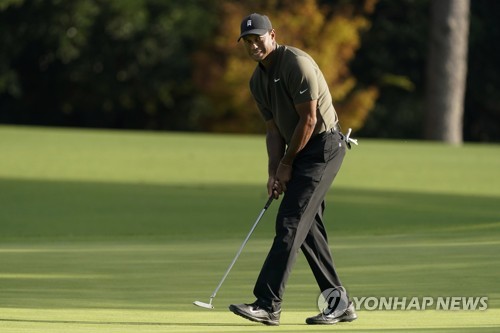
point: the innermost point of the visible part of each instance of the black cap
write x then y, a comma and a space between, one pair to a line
255, 24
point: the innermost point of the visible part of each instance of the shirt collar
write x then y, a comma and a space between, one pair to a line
274, 60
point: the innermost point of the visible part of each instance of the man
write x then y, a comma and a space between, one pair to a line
305, 151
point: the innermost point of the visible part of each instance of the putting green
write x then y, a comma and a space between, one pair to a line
91, 320
148, 285
104, 231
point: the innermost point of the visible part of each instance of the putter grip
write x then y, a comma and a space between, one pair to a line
269, 201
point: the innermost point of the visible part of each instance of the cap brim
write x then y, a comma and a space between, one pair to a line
258, 32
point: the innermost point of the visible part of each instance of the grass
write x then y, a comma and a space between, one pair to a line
104, 231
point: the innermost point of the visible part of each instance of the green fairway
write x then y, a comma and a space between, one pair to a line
104, 231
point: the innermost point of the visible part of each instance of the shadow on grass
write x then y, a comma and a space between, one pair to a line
56, 209
120, 323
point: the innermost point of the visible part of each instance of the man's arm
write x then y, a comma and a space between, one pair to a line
275, 151
303, 132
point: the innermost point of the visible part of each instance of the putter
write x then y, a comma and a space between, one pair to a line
209, 304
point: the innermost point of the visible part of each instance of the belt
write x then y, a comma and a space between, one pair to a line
346, 138
331, 130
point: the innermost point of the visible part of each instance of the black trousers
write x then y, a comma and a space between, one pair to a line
299, 223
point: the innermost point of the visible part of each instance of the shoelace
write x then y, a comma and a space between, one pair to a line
348, 140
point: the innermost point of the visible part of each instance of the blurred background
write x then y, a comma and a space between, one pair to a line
396, 69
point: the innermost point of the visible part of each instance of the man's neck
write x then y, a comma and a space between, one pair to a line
268, 61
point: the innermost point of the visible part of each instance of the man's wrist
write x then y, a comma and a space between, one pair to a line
286, 161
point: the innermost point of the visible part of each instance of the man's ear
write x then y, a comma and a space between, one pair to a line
273, 34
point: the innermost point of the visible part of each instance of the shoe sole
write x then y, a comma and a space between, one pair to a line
245, 315
332, 322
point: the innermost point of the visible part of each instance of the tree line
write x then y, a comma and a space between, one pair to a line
176, 65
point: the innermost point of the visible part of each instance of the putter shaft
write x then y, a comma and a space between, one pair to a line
268, 203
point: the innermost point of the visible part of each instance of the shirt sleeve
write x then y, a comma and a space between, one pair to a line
303, 81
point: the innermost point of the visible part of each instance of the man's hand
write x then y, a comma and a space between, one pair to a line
277, 184
270, 188
283, 176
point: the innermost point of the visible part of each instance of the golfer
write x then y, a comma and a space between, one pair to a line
305, 151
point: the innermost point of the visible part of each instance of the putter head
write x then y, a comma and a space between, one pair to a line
204, 305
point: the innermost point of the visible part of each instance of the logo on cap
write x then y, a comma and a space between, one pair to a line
254, 24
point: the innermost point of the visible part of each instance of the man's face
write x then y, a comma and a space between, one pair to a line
259, 47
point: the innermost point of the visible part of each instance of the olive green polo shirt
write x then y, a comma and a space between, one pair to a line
294, 78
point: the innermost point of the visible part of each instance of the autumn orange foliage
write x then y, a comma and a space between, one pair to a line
330, 34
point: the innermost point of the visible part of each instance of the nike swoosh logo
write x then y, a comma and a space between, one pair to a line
276, 80
303, 91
